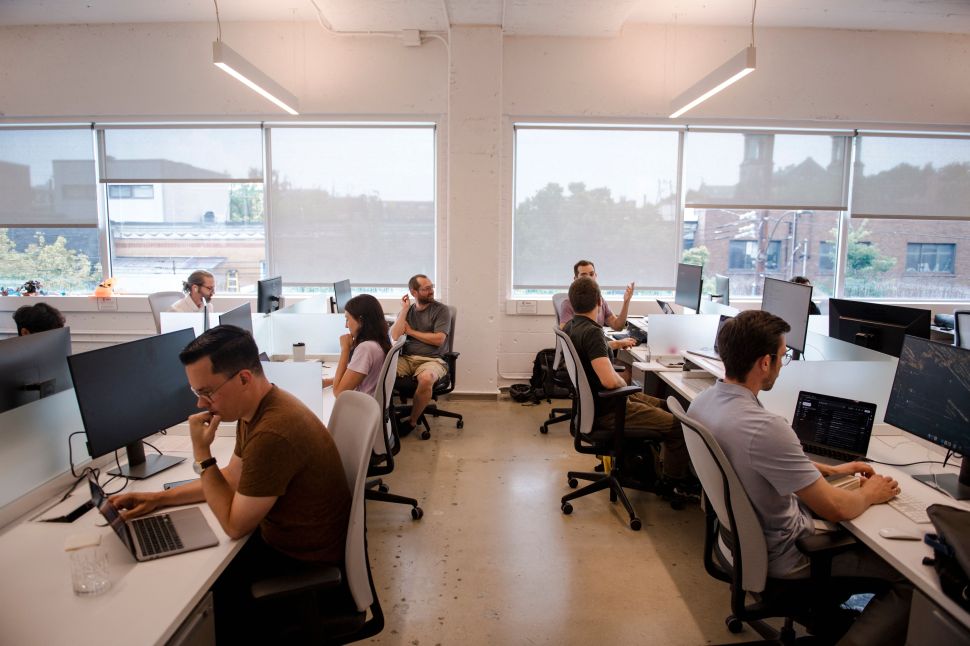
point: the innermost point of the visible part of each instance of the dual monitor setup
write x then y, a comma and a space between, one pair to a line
269, 295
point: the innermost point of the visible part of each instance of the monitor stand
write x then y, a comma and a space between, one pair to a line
141, 466
957, 487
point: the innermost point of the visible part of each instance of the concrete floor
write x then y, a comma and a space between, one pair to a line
495, 561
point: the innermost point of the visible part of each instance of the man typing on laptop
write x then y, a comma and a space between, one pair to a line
784, 486
284, 479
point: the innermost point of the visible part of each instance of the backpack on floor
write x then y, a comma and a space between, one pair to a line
548, 382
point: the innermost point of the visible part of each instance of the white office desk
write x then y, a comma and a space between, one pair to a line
146, 603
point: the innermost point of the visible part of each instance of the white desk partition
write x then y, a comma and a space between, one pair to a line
819, 324
819, 347
34, 440
304, 380
713, 307
320, 332
173, 321
868, 381
671, 334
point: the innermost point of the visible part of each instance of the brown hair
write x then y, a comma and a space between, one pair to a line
746, 338
584, 295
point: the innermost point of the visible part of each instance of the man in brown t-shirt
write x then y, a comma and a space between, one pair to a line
285, 476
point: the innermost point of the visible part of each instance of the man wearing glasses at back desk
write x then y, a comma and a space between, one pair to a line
198, 286
284, 479
426, 324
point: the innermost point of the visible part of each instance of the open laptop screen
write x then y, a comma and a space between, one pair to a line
833, 422
110, 513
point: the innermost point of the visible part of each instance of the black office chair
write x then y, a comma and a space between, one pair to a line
329, 604
405, 386
735, 551
389, 443
557, 415
593, 441
961, 328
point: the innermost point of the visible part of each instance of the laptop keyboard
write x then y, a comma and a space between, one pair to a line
910, 507
829, 452
156, 535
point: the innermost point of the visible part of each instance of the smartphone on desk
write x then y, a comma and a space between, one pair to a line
177, 483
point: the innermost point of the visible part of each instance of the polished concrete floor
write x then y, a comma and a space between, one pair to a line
495, 561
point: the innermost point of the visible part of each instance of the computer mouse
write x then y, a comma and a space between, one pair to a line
900, 534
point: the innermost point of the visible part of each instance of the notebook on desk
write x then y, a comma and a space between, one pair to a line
833, 429
159, 535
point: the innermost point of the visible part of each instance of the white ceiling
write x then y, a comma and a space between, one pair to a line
532, 17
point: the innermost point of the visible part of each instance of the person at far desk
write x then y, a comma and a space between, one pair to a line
784, 486
642, 410
284, 482
199, 289
363, 348
31, 319
426, 324
605, 316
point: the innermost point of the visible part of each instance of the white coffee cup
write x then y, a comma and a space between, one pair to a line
299, 352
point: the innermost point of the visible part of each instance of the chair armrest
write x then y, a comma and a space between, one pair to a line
624, 391
321, 578
821, 548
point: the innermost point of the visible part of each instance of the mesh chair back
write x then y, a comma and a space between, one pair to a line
354, 423
585, 405
961, 328
384, 394
557, 301
730, 502
160, 302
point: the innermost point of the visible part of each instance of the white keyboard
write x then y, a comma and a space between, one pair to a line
910, 507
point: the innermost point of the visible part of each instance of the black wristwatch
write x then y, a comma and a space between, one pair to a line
199, 467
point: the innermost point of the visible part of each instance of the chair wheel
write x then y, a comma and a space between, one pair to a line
417, 513
573, 483
383, 488
635, 524
460, 424
425, 435
734, 624
543, 429
567, 508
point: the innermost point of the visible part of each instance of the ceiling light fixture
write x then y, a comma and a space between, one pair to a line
233, 64
739, 66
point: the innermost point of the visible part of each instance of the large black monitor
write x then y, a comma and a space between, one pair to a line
129, 391
790, 302
341, 294
876, 326
241, 316
722, 288
269, 295
930, 398
689, 285
34, 366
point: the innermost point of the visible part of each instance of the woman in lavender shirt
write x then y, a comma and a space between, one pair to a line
363, 349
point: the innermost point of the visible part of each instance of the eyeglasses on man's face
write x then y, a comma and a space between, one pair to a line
206, 394
426, 288
785, 358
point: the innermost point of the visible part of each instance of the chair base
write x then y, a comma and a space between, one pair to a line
376, 490
600, 482
433, 410
557, 415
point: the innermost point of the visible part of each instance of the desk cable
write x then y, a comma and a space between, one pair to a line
949, 454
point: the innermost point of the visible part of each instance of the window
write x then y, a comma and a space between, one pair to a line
599, 194
353, 201
181, 199
826, 257
744, 255
930, 257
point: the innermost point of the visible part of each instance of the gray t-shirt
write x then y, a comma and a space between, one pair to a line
769, 460
436, 317
368, 358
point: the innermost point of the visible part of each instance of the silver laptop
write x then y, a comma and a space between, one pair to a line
712, 353
159, 535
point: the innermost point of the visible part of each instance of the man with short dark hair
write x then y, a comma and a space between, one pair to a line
427, 324
642, 410
605, 316
199, 289
285, 478
784, 485
39, 317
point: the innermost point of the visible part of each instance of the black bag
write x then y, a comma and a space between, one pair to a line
547, 382
951, 547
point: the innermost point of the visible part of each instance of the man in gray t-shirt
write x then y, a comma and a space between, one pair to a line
427, 324
784, 486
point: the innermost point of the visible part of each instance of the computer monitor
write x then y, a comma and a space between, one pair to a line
241, 316
930, 398
876, 326
34, 366
269, 295
689, 284
790, 302
129, 391
341, 294
722, 288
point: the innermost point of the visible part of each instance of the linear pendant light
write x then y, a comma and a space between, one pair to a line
736, 68
230, 62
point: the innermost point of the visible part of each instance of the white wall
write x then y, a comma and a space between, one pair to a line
163, 70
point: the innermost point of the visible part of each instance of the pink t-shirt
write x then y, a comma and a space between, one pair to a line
367, 360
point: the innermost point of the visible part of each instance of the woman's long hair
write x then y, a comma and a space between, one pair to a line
369, 314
